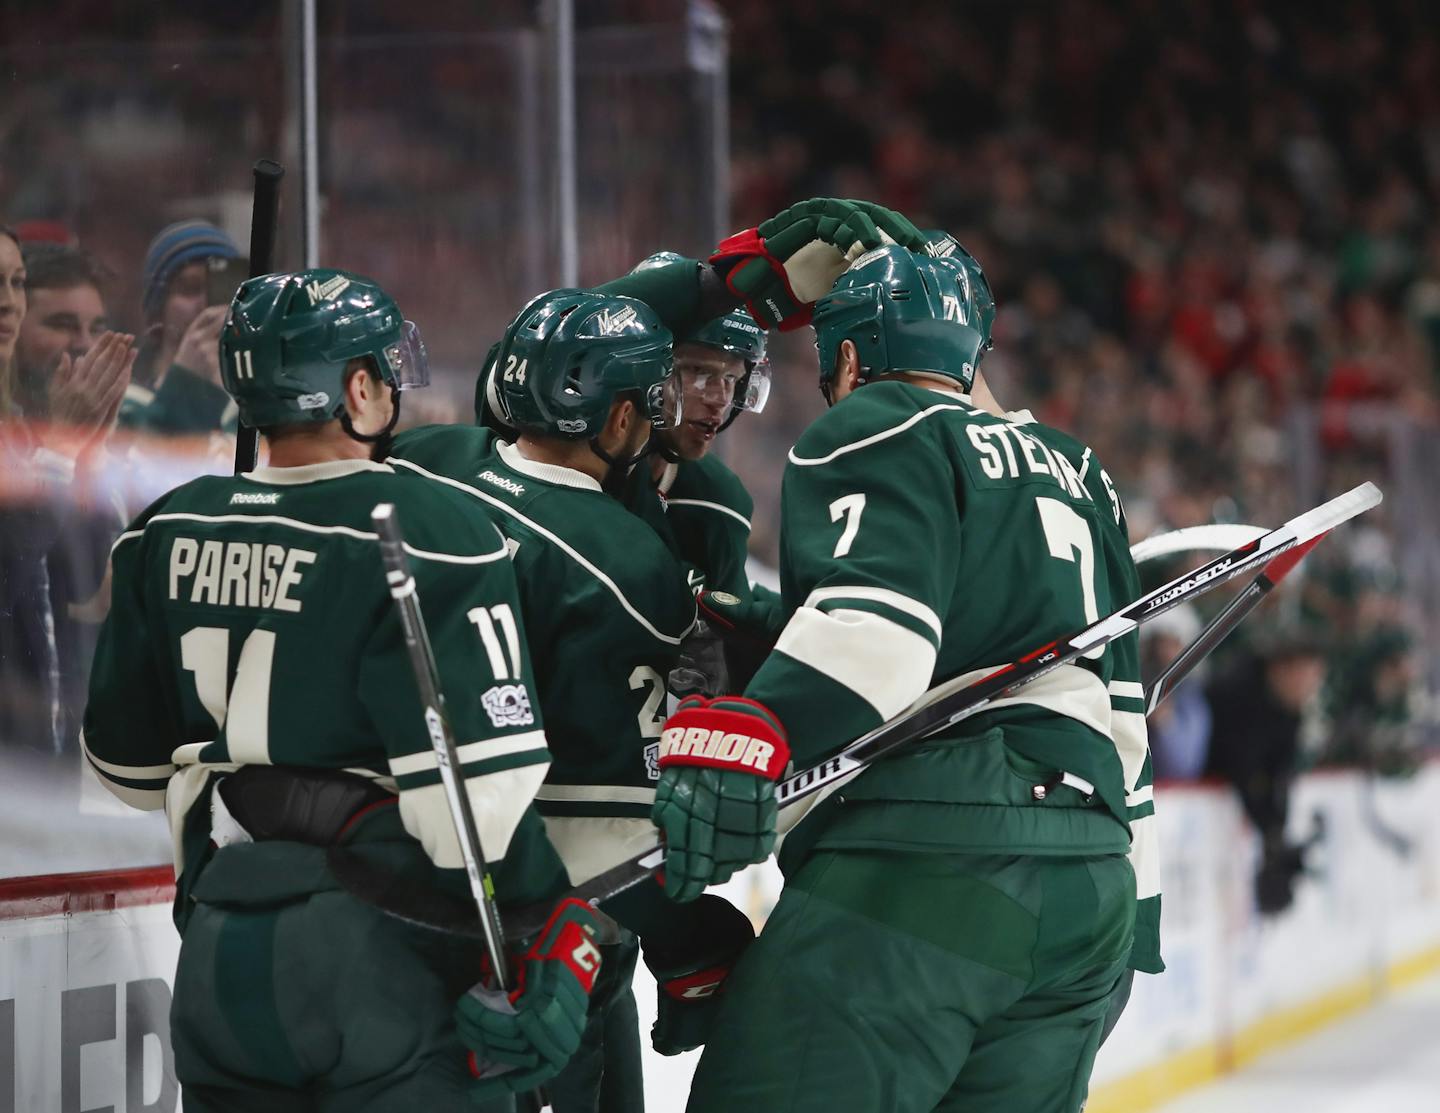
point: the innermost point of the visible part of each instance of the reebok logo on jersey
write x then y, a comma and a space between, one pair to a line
256, 498
325, 291
503, 483
508, 705
612, 324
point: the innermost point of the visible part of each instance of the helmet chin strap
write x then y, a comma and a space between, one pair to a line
379, 442
620, 465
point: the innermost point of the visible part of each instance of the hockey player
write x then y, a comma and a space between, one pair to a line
584, 379
982, 875
252, 679
704, 510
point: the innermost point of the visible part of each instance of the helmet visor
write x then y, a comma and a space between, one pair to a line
406, 359
757, 389
665, 402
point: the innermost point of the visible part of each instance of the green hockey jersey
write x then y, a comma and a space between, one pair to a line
606, 606
923, 540
251, 624
1127, 692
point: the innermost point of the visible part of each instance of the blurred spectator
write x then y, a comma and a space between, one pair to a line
57, 512
1179, 727
64, 318
12, 312
1257, 706
177, 388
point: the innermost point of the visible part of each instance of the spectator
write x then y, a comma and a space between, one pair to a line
59, 519
1179, 727
1257, 706
178, 372
65, 316
12, 311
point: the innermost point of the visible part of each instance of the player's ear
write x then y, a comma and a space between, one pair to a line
847, 365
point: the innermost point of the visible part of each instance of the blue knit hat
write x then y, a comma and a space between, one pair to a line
178, 244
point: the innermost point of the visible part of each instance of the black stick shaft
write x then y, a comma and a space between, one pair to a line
264, 216
442, 740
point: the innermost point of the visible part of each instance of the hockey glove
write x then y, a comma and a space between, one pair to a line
690, 975
715, 803
520, 1039
749, 628
779, 268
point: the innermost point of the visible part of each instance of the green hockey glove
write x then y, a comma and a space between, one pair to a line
715, 803
520, 1039
690, 974
748, 627
781, 267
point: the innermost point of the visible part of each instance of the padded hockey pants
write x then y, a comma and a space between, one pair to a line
911, 983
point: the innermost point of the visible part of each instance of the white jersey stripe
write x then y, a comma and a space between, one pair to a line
1145, 856
1142, 795
596, 794
132, 772
874, 438
1127, 689
723, 509
882, 662
902, 603
309, 527
471, 751
557, 542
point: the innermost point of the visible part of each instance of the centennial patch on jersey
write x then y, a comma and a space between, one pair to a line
508, 705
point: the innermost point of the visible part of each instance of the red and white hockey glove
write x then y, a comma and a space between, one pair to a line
520, 1039
781, 267
715, 803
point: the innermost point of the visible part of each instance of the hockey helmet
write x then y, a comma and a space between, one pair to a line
289, 337
903, 311
943, 245
737, 334
568, 355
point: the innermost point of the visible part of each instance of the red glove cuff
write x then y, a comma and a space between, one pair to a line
734, 255
568, 942
705, 735
697, 986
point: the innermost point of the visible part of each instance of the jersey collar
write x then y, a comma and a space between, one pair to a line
561, 476
667, 477
313, 473
1020, 417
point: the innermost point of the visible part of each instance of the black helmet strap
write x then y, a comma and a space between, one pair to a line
381, 439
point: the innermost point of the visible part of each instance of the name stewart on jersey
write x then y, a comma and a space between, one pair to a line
1007, 452
236, 573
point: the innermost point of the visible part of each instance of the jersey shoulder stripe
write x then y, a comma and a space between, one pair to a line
560, 543
719, 508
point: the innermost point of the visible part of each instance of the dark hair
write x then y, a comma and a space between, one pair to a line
6, 230
51, 266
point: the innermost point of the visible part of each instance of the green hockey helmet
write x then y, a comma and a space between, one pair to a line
659, 259
570, 353
942, 245
903, 311
289, 337
739, 335
490, 412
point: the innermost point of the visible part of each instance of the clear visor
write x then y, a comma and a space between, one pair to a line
665, 402
757, 389
408, 364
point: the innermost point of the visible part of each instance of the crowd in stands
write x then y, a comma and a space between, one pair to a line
1209, 227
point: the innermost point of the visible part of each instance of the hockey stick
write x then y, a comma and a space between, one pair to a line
264, 215
427, 680
950, 703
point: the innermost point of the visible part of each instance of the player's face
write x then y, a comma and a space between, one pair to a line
183, 300
60, 321
12, 295
709, 378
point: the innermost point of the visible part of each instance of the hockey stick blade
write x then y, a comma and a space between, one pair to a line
950, 703
1221, 626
